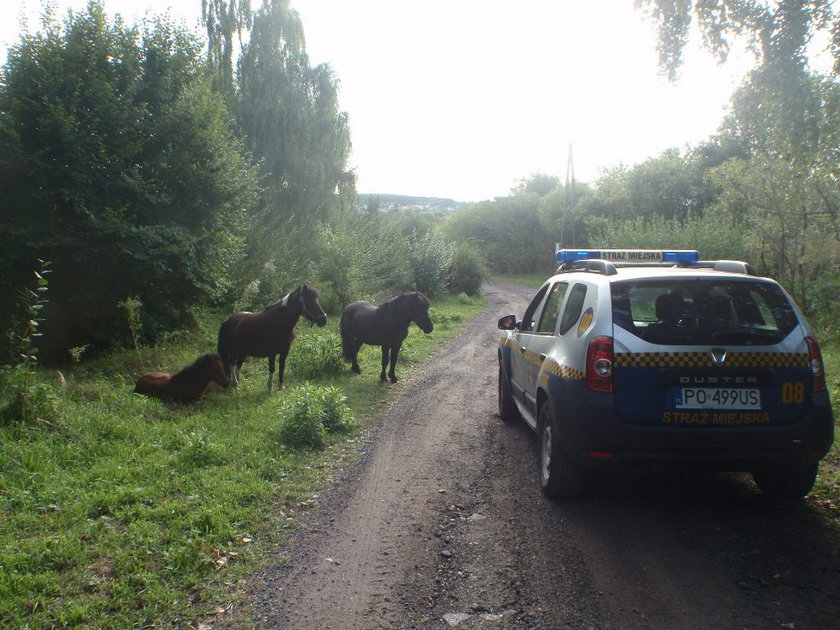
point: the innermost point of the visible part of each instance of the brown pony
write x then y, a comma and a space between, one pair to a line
268, 333
187, 385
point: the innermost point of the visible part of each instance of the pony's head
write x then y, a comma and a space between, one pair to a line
418, 305
310, 307
214, 368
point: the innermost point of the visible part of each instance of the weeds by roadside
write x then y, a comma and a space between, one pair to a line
130, 512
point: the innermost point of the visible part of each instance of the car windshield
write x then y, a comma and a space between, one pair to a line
688, 311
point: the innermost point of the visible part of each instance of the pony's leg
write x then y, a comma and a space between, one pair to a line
385, 350
395, 351
355, 364
270, 370
281, 367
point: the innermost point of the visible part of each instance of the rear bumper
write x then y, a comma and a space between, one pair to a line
595, 437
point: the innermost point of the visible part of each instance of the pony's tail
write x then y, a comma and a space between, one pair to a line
346, 338
221, 345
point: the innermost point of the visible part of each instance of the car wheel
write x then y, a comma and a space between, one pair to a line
786, 483
507, 408
560, 477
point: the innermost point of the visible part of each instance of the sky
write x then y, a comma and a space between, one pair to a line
464, 99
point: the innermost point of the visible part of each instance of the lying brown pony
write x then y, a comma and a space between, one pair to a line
187, 385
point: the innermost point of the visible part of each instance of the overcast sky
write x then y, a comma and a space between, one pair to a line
465, 98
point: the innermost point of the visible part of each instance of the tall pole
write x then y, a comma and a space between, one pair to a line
569, 197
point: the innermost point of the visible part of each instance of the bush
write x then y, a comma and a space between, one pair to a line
468, 270
28, 400
430, 257
315, 353
309, 412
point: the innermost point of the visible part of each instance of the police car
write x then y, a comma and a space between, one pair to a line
648, 359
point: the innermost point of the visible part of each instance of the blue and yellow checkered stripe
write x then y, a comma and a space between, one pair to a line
704, 359
562, 371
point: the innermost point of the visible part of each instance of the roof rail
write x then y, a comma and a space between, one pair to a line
731, 266
593, 266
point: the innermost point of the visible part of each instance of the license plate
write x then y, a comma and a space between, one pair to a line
717, 398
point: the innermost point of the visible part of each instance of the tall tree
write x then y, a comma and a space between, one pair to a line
227, 23
785, 191
290, 117
118, 165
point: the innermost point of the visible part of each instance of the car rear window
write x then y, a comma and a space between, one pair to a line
686, 311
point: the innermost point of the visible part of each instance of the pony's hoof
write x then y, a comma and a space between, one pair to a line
356, 369
394, 379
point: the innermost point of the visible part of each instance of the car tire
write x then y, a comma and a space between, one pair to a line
560, 477
786, 484
507, 408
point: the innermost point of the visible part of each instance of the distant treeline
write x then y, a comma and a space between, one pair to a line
384, 202
765, 189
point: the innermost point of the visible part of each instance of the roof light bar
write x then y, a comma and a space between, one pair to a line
675, 256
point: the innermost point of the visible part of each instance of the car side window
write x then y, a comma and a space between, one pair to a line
528, 318
573, 309
548, 319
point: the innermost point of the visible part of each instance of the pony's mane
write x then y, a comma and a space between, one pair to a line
408, 294
398, 300
196, 367
302, 289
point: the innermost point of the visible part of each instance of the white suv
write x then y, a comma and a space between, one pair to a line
640, 358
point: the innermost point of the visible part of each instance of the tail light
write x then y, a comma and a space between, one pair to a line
599, 364
816, 362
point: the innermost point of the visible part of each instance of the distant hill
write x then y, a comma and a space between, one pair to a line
419, 204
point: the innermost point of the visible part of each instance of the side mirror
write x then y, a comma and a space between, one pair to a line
508, 322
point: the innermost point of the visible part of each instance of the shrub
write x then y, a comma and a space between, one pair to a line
430, 261
337, 417
468, 270
315, 353
309, 412
28, 400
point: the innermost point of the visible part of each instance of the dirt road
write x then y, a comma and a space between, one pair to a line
443, 525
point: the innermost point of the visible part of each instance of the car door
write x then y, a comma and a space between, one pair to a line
535, 344
520, 339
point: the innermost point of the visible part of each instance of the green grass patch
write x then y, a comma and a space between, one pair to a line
120, 511
827, 490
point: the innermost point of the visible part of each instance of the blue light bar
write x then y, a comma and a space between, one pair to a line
673, 256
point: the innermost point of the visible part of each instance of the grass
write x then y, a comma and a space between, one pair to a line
826, 493
120, 511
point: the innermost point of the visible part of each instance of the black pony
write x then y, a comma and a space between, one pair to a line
269, 333
386, 326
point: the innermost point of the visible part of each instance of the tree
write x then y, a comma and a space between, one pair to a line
785, 192
778, 32
288, 112
124, 173
225, 21
508, 231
